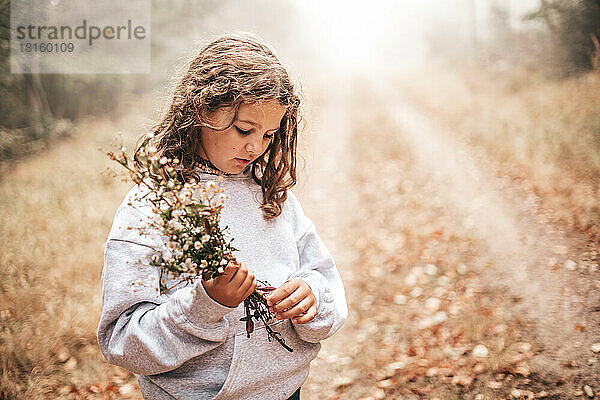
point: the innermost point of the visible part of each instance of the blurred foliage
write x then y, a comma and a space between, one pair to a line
575, 29
559, 38
37, 108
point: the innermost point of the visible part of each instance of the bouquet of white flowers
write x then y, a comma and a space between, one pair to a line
189, 215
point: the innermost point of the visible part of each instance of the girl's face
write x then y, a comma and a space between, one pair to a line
232, 149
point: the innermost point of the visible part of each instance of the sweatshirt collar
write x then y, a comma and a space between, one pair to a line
205, 166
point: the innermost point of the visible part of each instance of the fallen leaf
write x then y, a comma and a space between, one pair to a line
343, 381
522, 369
521, 394
479, 368
480, 351
588, 391
494, 385
386, 383
462, 380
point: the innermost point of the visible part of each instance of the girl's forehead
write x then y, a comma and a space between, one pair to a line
265, 110
264, 113
271, 106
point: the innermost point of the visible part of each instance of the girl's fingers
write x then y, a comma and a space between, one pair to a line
283, 292
229, 272
251, 288
300, 308
290, 301
247, 284
240, 276
310, 314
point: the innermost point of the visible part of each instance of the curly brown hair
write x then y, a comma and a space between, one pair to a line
231, 70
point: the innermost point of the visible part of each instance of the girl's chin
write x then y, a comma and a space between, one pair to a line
234, 168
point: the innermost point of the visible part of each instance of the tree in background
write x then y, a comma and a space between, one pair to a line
37, 108
575, 28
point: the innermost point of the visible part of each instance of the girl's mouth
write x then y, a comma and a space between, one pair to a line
242, 160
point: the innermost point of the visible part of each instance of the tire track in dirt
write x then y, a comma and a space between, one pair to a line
534, 258
531, 256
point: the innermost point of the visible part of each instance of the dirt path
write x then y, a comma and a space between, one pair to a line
541, 264
550, 277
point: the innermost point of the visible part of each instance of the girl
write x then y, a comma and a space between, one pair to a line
234, 118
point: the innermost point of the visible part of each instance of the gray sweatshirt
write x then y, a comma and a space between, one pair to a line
185, 345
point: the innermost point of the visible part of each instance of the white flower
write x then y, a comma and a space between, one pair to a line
175, 224
203, 263
220, 269
224, 262
164, 160
205, 238
211, 184
197, 245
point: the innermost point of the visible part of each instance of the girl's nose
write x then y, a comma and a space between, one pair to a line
252, 147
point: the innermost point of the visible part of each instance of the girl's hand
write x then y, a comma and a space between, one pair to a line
294, 299
231, 288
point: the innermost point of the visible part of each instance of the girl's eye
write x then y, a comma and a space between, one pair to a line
243, 132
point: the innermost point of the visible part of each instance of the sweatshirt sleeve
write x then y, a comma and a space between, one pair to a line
141, 330
318, 270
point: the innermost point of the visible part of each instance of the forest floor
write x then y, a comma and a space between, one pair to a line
460, 284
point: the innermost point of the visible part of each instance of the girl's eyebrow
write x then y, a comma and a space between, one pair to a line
255, 124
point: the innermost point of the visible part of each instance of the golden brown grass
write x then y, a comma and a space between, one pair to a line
545, 131
57, 209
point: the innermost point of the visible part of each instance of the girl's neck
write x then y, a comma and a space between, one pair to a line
204, 164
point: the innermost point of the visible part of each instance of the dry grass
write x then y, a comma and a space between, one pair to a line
545, 131
57, 210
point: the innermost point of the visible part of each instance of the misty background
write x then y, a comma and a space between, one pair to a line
449, 156
320, 40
